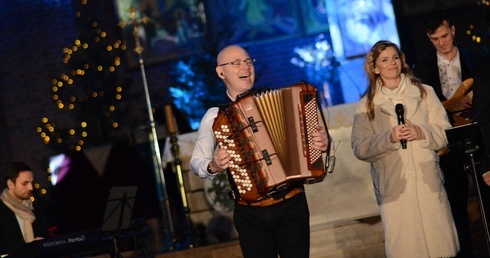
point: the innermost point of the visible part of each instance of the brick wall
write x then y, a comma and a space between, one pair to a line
33, 34
273, 66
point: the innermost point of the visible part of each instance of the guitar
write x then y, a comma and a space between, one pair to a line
459, 106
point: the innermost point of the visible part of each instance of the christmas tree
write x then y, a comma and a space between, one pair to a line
90, 89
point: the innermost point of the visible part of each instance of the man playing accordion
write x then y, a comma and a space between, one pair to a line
278, 223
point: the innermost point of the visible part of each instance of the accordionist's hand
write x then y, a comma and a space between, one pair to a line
320, 139
486, 178
220, 162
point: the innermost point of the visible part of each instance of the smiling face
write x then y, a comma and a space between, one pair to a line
388, 66
236, 70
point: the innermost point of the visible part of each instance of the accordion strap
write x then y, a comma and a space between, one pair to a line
330, 159
324, 124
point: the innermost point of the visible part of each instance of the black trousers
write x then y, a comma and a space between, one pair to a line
281, 229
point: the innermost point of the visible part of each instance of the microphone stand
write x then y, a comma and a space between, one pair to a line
470, 149
155, 148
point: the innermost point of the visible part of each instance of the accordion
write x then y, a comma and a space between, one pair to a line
268, 136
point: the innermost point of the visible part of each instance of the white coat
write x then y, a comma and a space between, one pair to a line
408, 183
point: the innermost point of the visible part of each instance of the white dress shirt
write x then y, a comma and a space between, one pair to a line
205, 145
449, 74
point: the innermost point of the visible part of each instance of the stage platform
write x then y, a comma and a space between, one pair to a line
362, 238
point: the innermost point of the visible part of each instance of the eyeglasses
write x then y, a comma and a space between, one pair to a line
238, 63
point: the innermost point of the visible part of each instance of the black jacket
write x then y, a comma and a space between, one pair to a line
10, 234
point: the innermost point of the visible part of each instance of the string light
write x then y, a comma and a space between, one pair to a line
473, 33
77, 89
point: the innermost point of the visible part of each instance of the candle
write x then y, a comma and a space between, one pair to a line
171, 126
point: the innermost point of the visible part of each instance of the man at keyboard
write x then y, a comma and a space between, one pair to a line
18, 222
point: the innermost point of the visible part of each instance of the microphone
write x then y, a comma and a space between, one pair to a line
401, 120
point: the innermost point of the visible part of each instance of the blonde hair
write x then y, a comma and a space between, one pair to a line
374, 79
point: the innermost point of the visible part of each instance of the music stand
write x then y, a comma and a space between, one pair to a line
118, 212
468, 138
119, 208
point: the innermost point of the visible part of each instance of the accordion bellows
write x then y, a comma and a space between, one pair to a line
268, 136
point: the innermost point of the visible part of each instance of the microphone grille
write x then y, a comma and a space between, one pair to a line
399, 109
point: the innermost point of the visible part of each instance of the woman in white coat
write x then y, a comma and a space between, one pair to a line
407, 179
